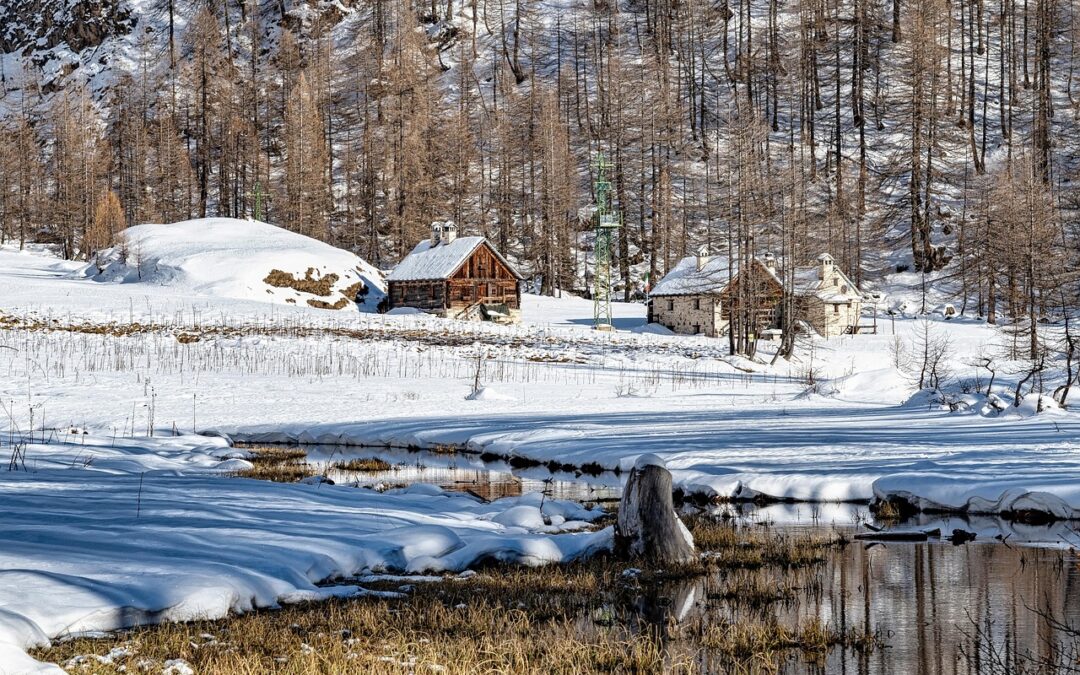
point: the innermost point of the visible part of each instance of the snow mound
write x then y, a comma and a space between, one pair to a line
488, 394
242, 259
1034, 404
1055, 496
652, 329
649, 459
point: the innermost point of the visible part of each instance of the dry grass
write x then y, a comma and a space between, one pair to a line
341, 303
473, 626
281, 464
322, 286
362, 465
767, 642
578, 618
730, 545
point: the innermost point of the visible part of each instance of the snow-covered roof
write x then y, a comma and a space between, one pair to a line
686, 279
808, 281
427, 262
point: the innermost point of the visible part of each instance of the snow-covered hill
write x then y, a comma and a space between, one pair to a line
240, 259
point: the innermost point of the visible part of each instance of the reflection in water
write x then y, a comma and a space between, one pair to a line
984, 607
939, 609
462, 472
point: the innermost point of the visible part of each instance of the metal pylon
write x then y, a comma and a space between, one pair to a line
606, 224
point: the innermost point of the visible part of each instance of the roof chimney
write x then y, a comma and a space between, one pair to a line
449, 232
703, 257
436, 234
770, 261
826, 262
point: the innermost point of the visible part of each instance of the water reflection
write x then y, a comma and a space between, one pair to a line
998, 605
464, 473
940, 609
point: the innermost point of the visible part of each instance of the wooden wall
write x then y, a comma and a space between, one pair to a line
481, 278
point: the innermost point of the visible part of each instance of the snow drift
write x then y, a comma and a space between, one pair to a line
241, 259
91, 550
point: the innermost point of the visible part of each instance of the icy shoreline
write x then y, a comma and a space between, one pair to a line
976, 483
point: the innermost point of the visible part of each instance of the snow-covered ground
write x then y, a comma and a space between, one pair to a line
107, 534
88, 548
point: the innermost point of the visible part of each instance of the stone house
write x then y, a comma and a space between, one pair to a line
696, 297
456, 277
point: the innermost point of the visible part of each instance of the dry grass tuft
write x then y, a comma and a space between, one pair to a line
730, 545
281, 464
362, 465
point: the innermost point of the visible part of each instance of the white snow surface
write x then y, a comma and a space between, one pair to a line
726, 426
230, 258
133, 539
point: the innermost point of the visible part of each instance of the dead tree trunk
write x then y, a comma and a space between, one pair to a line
648, 527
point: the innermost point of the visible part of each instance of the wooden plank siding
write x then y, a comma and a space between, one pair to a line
482, 278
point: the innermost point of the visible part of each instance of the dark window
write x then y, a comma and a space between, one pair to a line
697, 328
697, 303
670, 305
836, 309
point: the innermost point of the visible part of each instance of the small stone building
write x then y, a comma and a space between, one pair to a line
826, 298
696, 297
456, 277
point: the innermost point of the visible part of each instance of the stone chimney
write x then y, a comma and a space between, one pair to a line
436, 233
825, 263
770, 262
449, 232
703, 257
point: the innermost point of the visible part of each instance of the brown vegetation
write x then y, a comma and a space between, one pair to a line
321, 286
277, 463
578, 618
362, 465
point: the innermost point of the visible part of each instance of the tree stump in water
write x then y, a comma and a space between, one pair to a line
648, 527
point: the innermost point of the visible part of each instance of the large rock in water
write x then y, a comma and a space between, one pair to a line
648, 527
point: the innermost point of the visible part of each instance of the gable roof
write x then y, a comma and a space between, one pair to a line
686, 279
808, 282
427, 262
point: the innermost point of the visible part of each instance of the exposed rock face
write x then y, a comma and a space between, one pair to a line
648, 527
38, 25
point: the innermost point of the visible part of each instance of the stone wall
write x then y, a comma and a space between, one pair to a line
689, 314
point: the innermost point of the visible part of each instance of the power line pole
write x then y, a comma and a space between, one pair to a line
606, 224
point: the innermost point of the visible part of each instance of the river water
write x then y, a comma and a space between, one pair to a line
1004, 603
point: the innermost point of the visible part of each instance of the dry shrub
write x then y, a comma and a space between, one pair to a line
322, 286
341, 303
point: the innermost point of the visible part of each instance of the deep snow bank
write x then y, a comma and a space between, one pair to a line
242, 259
85, 549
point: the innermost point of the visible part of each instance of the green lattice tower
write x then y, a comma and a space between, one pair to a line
606, 224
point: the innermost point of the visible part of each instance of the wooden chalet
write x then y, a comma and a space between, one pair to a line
456, 277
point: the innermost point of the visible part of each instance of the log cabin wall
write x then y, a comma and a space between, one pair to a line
426, 295
484, 278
